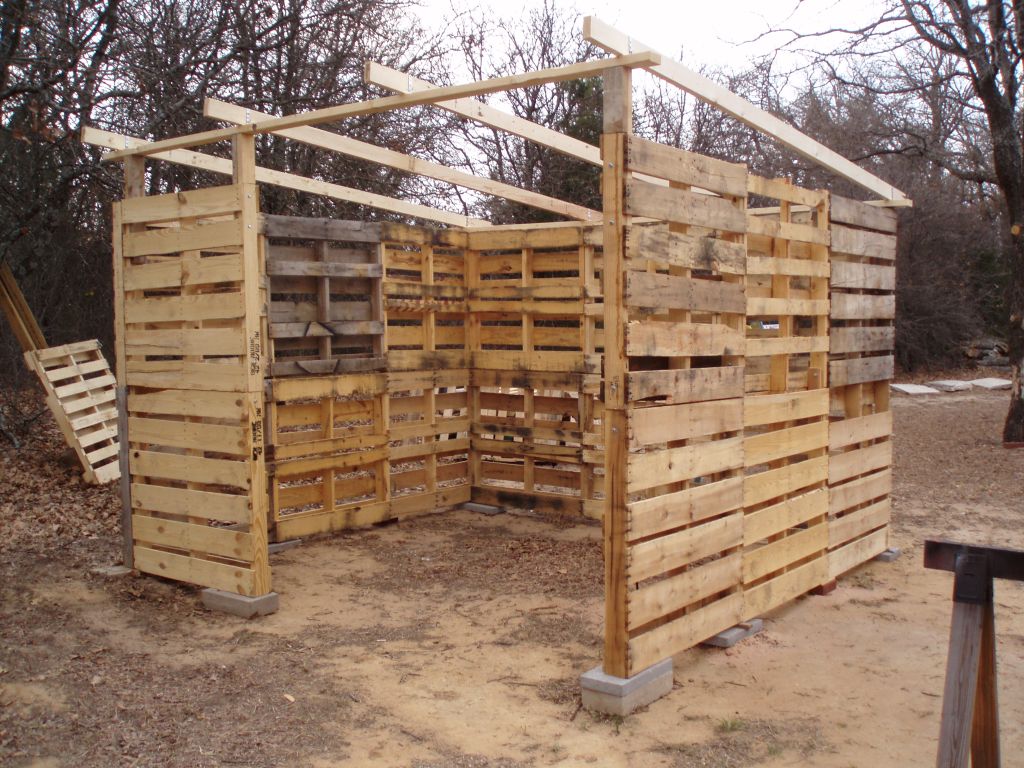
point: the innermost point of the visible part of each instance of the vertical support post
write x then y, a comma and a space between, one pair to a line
244, 166
618, 125
134, 186
972, 598
985, 728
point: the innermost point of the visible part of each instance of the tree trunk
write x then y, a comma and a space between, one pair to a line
1013, 431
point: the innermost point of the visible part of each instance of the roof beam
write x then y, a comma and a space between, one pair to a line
232, 113
393, 80
479, 88
146, 148
616, 42
223, 166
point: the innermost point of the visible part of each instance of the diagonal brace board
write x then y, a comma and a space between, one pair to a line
616, 42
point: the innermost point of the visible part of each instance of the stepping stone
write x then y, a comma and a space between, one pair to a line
950, 385
992, 383
915, 389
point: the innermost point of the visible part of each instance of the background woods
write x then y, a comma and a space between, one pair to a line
921, 117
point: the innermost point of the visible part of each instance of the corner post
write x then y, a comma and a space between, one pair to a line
134, 186
243, 155
618, 126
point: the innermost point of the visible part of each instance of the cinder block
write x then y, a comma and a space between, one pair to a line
733, 635
282, 546
240, 605
888, 555
486, 509
624, 695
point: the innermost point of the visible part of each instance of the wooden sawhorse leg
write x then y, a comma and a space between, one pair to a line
970, 711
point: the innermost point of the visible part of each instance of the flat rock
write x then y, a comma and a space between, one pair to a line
915, 389
992, 383
950, 385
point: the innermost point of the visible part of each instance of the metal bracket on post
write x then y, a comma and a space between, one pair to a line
972, 582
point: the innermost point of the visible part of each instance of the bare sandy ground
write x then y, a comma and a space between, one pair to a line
458, 639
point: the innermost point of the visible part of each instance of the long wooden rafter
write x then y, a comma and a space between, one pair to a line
616, 42
222, 166
473, 109
222, 110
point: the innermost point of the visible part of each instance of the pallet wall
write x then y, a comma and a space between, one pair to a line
785, 446
350, 446
746, 479
190, 357
860, 369
533, 332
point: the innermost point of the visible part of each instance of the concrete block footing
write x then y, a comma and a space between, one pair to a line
282, 546
240, 605
112, 571
623, 695
485, 509
729, 637
888, 555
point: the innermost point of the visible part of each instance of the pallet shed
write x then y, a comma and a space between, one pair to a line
709, 378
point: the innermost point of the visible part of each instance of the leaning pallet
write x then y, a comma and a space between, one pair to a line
79, 386
80, 393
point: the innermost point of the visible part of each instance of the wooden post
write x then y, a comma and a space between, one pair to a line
134, 186
972, 606
618, 122
244, 166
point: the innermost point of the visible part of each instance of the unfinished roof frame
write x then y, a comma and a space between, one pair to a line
716, 505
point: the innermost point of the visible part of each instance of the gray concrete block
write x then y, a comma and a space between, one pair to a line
889, 555
992, 383
240, 605
486, 509
914, 389
282, 546
729, 637
950, 385
624, 695
112, 571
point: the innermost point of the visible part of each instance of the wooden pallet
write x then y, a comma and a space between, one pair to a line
193, 362
683, 307
82, 395
862, 317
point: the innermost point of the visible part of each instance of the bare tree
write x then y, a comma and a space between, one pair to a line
544, 37
961, 61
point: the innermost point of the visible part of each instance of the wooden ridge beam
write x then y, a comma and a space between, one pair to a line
222, 110
478, 88
220, 165
612, 40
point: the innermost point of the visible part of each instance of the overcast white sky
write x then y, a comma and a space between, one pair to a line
706, 31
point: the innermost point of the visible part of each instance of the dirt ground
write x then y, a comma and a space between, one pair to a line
458, 639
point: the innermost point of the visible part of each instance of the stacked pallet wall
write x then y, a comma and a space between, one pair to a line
350, 447
532, 329
428, 363
860, 369
191, 358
